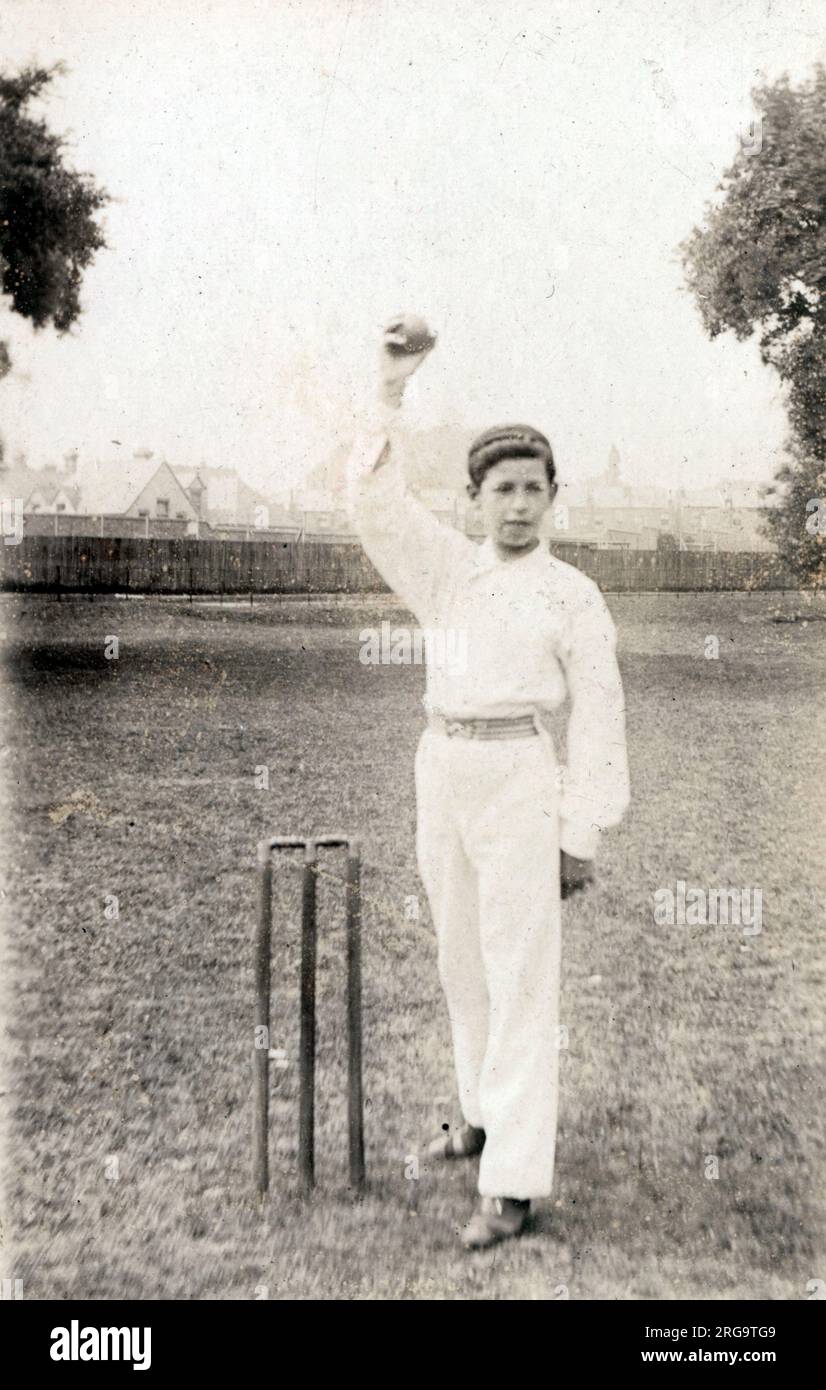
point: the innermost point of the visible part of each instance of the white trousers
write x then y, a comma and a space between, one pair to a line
488, 849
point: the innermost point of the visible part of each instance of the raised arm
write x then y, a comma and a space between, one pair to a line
596, 788
411, 549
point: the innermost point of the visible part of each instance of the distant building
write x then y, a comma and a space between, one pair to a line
605, 510
206, 498
152, 495
318, 511
52, 489
220, 497
139, 486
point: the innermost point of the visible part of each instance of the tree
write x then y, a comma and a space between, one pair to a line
800, 486
758, 265
48, 231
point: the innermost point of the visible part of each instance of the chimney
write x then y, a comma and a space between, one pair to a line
195, 493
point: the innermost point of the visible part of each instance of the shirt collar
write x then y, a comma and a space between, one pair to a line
486, 558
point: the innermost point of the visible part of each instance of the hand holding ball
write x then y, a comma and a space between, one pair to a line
407, 336
405, 343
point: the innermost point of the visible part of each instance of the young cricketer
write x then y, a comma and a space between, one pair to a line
503, 832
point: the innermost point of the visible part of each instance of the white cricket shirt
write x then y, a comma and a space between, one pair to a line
529, 631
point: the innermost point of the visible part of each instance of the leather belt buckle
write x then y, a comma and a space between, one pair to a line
457, 728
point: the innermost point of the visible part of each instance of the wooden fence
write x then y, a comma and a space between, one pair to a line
84, 564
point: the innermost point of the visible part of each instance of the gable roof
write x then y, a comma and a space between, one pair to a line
19, 480
112, 486
164, 477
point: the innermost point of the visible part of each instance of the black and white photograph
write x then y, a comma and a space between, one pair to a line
413, 658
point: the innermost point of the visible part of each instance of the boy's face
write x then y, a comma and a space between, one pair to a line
513, 497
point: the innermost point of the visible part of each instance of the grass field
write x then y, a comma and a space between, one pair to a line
130, 1109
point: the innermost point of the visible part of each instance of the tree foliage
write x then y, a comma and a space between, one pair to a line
758, 266
798, 523
48, 231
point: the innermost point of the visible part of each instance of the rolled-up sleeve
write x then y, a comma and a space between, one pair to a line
596, 788
410, 548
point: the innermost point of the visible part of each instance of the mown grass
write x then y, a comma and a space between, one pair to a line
132, 1037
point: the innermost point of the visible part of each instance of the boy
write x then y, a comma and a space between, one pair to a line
502, 833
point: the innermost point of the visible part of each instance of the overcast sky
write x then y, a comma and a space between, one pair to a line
288, 175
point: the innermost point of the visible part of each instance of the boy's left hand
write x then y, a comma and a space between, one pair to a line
575, 874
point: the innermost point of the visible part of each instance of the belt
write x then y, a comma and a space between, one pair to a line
517, 726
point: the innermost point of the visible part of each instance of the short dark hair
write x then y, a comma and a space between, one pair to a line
508, 442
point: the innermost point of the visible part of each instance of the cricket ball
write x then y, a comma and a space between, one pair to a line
408, 334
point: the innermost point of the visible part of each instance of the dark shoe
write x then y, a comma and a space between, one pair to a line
495, 1219
466, 1142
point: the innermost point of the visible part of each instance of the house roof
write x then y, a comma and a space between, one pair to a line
111, 485
228, 499
19, 480
222, 484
